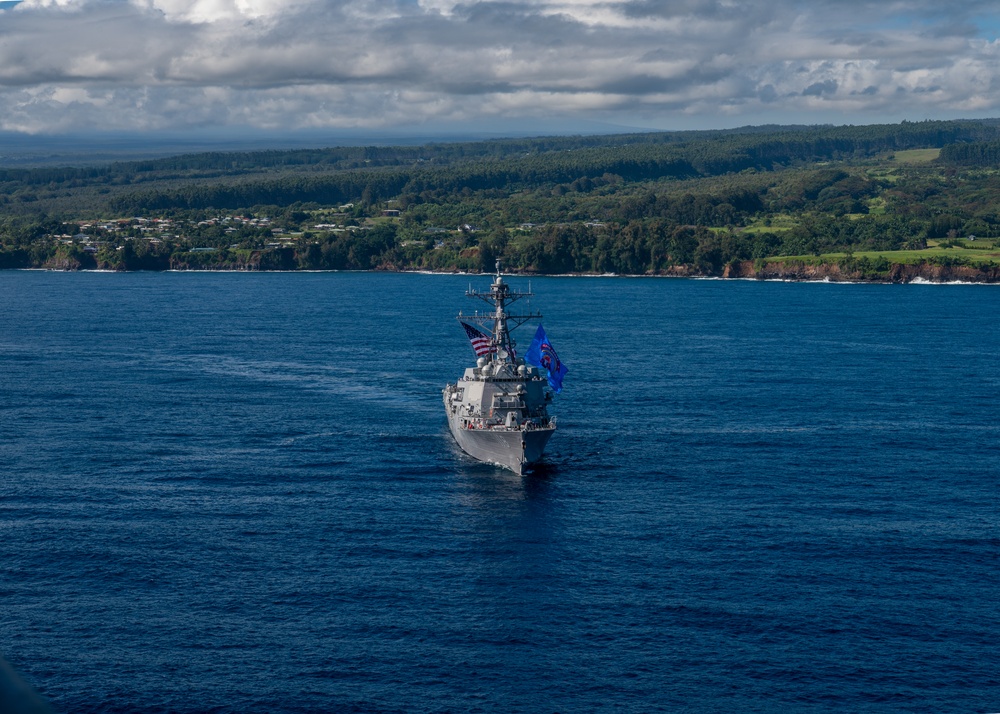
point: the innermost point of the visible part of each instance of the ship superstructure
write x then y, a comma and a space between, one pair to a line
498, 410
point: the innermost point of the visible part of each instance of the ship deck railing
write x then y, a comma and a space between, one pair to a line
494, 425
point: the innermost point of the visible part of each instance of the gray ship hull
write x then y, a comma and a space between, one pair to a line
515, 449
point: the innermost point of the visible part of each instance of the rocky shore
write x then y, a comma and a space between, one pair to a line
841, 272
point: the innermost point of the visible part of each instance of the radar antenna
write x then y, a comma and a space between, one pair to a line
499, 297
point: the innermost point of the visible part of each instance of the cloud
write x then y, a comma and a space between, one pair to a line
818, 89
276, 65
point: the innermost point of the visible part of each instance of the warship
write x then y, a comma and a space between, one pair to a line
498, 410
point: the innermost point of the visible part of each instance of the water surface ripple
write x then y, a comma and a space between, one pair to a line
237, 493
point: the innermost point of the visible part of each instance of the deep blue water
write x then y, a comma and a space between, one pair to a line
237, 493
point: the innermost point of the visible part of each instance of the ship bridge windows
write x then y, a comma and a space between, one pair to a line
507, 401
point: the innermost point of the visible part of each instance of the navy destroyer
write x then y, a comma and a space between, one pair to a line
498, 410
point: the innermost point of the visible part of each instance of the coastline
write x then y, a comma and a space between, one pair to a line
768, 270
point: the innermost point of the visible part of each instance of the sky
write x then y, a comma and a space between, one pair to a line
279, 66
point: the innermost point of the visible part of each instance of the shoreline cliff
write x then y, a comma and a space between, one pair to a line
840, 272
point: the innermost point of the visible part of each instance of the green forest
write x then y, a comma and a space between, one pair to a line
843, 202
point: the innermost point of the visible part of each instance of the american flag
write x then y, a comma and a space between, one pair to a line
480, 342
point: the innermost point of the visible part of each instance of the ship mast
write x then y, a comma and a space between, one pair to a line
498, 298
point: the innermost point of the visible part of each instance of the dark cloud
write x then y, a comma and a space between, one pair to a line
818, 89
643, 84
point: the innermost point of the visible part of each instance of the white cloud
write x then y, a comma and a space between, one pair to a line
168, 64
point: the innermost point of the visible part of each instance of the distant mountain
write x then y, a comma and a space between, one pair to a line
88, 149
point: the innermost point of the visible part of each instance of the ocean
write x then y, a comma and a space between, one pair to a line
236, 492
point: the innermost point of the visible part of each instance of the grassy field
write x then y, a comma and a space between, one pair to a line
876, 206
774, 224
916, 156
904, 257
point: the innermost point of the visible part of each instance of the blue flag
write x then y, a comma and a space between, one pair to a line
541, 354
